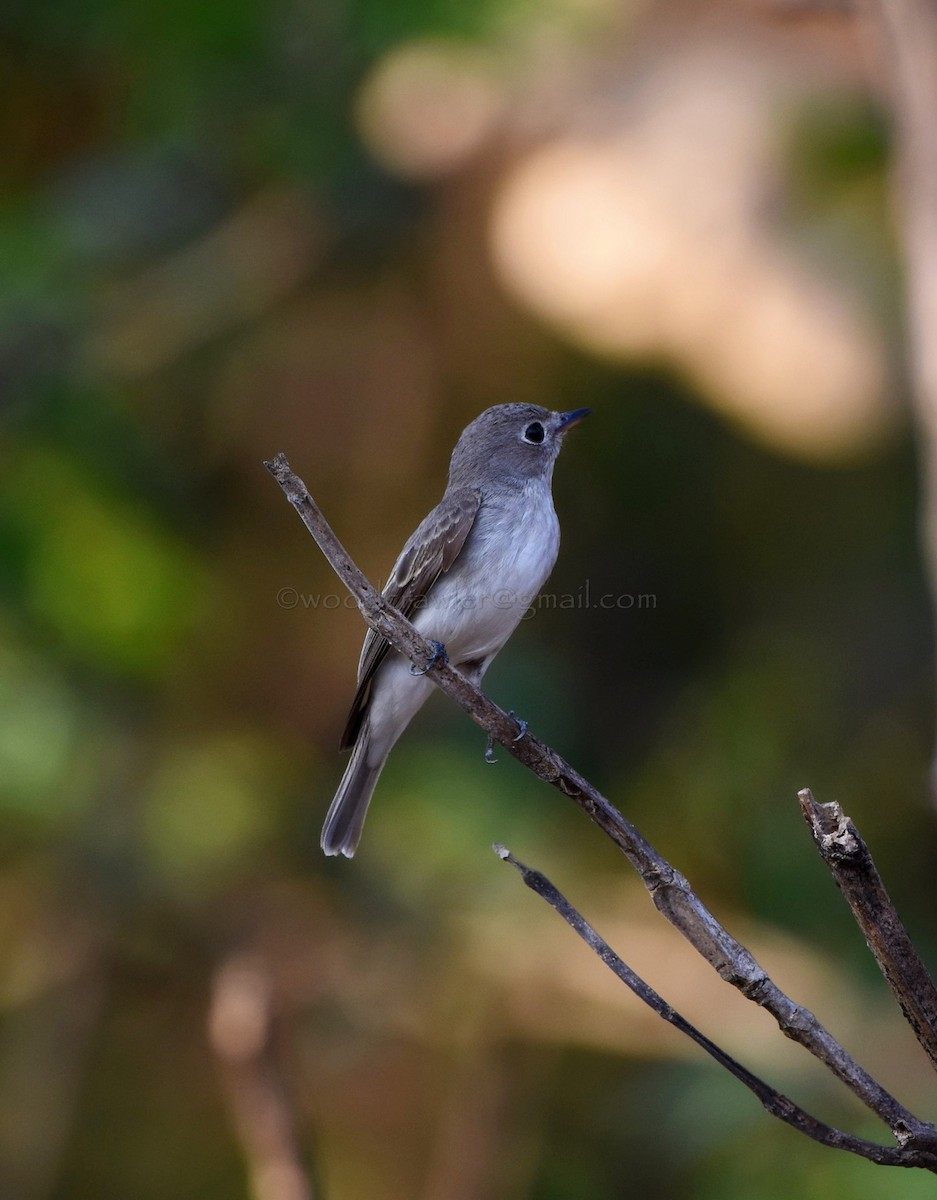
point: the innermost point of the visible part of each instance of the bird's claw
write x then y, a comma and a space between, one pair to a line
439, 656
490, 748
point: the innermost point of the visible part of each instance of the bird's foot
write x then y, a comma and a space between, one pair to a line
490, 748
439, 656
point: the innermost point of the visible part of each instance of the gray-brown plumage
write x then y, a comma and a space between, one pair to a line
465, 578
432, 549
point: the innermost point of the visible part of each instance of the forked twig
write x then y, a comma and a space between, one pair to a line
669, 889
775, 1102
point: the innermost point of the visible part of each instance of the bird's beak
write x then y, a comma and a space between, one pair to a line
568, 420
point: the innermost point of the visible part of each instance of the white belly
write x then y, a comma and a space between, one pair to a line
474, 608
506, 560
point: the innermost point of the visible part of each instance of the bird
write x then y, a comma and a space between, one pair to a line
465, 578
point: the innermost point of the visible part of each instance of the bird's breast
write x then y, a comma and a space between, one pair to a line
505, 562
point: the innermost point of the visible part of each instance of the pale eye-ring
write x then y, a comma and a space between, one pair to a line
534, 433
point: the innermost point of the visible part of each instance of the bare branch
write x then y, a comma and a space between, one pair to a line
857, 877
669, 889
240, 1030
777, 1104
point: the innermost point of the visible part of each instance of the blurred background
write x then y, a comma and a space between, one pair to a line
341, 230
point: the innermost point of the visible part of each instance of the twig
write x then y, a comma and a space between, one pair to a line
240, 1030
669, 889
777, 1104
856, 876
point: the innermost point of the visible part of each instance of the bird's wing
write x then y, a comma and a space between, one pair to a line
431, 550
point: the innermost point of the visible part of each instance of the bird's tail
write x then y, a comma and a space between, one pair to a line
344, 821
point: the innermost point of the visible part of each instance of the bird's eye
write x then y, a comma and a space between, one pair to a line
534, 433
